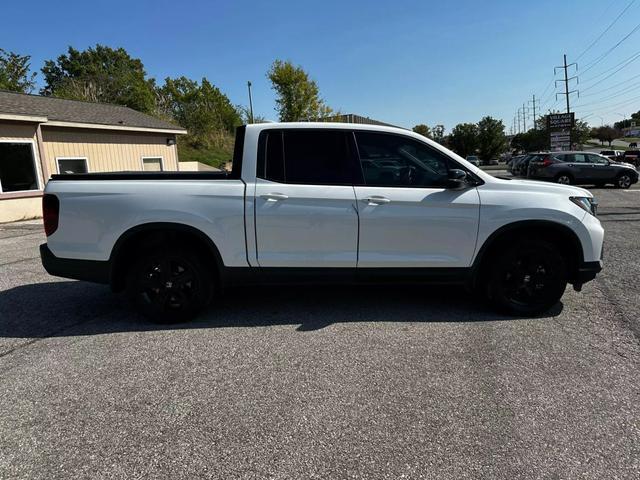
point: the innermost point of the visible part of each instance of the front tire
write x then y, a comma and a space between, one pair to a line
564, 179
169, 285
623, 181
527, 278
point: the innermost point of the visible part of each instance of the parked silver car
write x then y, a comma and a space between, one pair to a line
582, 168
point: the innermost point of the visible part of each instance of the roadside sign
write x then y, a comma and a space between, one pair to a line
560, 140
560, 121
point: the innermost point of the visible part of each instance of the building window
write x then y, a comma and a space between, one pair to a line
152, 164
72, 165
17, 167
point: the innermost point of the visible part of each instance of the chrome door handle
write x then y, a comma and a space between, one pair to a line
376, 200
274, 196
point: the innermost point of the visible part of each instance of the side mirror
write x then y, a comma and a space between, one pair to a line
457, 179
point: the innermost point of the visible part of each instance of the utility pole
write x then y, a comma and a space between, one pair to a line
534, 110
523, 110
519, 130
250, 103
566, 81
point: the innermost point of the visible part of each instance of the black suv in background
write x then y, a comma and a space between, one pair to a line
521, 169
584, 168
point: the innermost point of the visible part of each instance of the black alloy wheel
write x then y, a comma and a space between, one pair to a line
169, 286
528, 278
623, 181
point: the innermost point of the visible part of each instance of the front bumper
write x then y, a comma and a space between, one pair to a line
88, 270
588, 271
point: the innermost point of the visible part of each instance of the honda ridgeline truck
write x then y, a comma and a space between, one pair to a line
321, 202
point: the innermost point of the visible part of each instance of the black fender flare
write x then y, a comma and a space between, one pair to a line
521, 226
147, 228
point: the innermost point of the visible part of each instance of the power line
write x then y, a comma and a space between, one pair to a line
605, 30
615, 106
631, 60
605, 54
548, 85
627, 90
626, 61
611, 87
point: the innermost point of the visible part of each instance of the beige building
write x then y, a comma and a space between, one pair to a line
41, 136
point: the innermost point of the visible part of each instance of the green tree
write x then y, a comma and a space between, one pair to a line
626, 123
606, 134
100, 74
438, 133
245, 115
581, 132
201, 108
15, 74
531, 141
464, 139
492, 140
297, 96
423, 130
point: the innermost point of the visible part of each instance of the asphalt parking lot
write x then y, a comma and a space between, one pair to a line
321, 383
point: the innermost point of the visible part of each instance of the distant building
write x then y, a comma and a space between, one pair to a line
40, 136
353, 118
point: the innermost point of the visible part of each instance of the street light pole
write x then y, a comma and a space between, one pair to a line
250, 103
624, 118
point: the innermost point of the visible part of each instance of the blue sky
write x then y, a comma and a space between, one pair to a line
403, 62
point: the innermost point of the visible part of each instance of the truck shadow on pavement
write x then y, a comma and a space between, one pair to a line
70, 308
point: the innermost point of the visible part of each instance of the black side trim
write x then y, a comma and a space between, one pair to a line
143, 176
88, 270
237, 276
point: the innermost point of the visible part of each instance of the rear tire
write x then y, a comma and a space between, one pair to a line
527, 278
169, 285
564, 179
623, 181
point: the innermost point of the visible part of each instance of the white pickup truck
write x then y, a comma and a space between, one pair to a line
321, 202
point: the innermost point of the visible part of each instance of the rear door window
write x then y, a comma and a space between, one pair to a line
310, 157
578, 158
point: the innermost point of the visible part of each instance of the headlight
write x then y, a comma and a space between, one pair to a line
589, 204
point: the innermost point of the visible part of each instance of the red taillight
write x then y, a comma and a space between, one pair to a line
50, 213
547, 161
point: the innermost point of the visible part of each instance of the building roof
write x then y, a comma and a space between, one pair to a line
60, 112
359, 119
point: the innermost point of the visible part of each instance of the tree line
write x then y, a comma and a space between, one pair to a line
112, 75
486, 139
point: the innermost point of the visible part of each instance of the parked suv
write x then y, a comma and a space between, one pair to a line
582, 168
519, 167
522, 169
